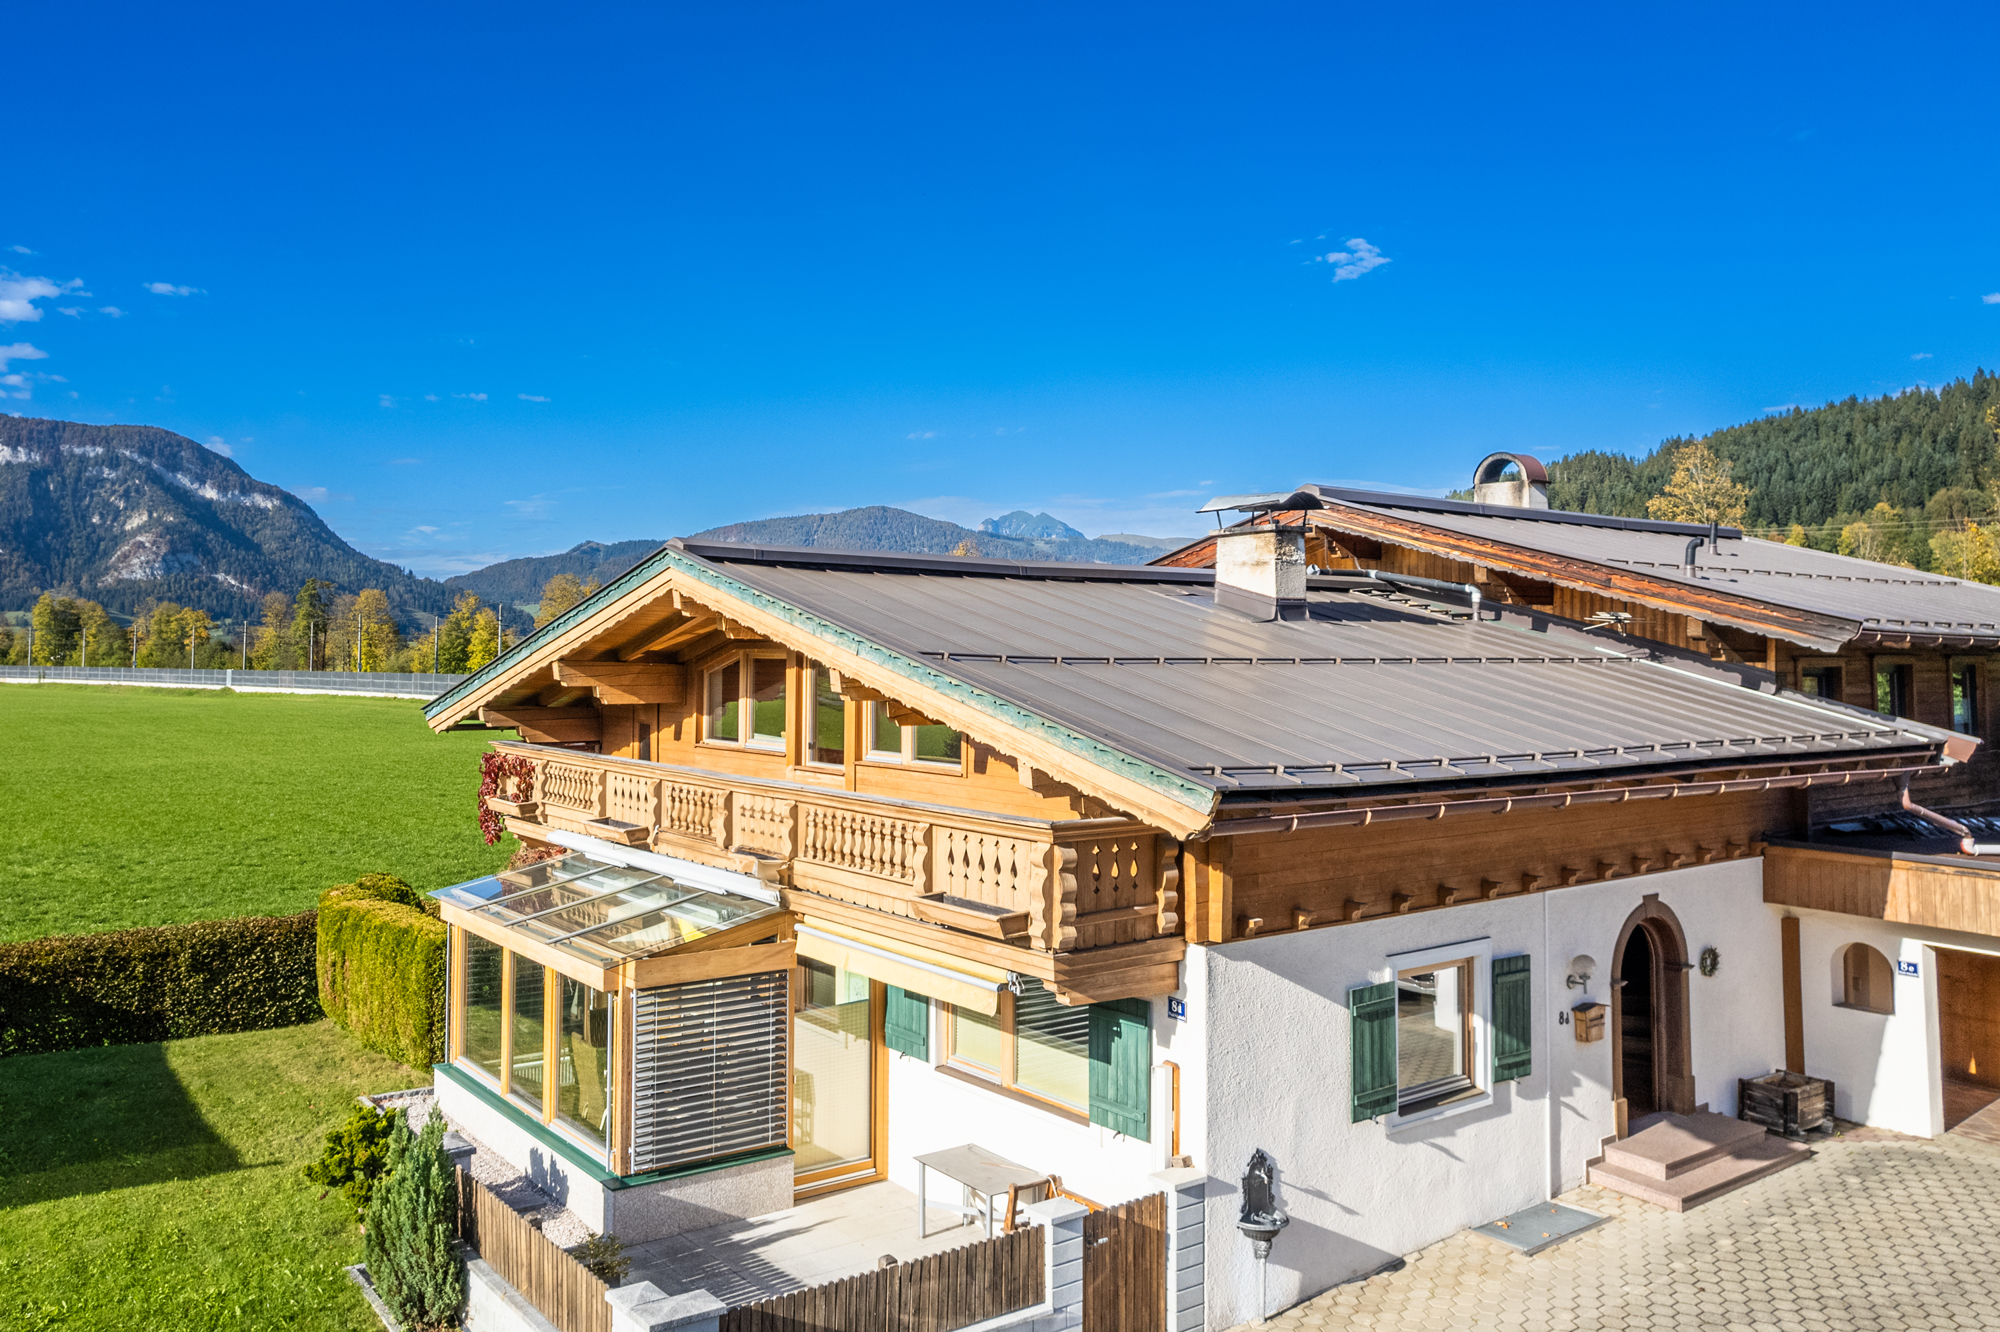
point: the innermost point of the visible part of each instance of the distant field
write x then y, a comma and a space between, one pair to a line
123, 807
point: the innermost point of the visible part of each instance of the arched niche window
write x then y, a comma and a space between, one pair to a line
1867, 980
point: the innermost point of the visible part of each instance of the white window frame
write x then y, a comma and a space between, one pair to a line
1479, 1014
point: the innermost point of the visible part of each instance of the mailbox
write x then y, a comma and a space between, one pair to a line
1589, 1022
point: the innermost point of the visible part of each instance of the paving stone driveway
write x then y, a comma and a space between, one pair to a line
1874, 1232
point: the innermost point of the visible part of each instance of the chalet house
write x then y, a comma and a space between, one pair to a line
858, 857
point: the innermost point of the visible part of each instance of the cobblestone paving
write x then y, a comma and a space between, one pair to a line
1874, 1232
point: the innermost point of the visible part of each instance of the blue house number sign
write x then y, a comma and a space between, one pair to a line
1906, 968
1177, 1009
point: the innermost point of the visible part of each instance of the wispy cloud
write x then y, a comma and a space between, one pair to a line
18, 295
20, 351
427, 531
1991, 298
430, 397
1920, 356
215, 443
921, 434
111, 310
20, 249
169, 289
386, 400
1361, 257
1784, 407
404, 462
317, 494
527, 397
471, 397
532, 507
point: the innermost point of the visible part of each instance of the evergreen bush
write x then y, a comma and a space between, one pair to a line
356, 1154
412, 1221
381, 968
122, 987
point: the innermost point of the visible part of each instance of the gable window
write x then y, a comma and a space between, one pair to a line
1892, 688
1965, 698
1094, 1061
1820, 681
746, 702
827, 719
891, 741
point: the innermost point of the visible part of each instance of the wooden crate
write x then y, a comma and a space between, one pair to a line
1788, 1103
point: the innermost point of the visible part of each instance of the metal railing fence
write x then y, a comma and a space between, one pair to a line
290, 682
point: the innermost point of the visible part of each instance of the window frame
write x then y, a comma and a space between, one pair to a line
1478, 1091
1954, 667
1806, 665
1437, 1091
1004, 1079
906, 756
745, 659
809, 678
1887, 663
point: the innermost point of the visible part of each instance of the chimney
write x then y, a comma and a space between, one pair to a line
1261, 572
1511, 481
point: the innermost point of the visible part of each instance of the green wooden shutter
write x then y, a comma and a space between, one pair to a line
1371, 1014
1513, 1019
906, 1022
1121, 1067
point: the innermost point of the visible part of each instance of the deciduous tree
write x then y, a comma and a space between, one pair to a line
559, 594
1702, 490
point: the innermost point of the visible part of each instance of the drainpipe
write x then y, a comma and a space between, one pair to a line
1966, 844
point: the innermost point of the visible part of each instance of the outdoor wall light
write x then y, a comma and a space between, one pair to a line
1581, 968
1261, 1219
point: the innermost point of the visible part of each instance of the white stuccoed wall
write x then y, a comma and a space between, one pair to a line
1274, 1013
1884, 1067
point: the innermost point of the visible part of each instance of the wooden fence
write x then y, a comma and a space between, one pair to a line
1125, 1267
945, 1291
562, 1288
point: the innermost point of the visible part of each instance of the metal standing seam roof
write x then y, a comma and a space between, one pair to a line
1879, 597
1367, 693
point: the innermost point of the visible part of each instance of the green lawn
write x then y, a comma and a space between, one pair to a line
128, 806
158, 1186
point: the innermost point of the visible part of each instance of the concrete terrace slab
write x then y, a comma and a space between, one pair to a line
1875, 1234
1533, 1229
818, 1241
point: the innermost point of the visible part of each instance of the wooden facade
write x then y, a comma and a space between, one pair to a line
1931, 891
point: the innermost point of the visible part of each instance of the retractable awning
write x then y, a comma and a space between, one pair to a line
922, 971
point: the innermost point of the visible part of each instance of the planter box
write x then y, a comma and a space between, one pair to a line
1788, 1103
520, 809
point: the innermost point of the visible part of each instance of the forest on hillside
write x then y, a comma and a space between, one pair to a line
1906, 467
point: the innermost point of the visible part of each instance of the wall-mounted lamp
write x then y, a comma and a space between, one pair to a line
1581, 968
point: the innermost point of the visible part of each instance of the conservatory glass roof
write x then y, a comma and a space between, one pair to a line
599, 911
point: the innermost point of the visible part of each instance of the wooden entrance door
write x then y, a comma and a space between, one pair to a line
1652, 1065
1125, 1267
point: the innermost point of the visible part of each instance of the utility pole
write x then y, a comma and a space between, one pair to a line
246, 644
434, 643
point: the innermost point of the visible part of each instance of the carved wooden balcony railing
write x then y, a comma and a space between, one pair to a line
1052, 886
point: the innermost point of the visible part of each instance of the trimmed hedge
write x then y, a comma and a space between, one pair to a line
123, 987
381, 968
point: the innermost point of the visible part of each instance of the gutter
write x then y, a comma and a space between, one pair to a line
1433, 810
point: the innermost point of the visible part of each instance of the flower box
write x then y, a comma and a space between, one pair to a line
518, 809
1788, 1103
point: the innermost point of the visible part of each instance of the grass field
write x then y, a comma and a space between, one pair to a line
158, 1186
152, 806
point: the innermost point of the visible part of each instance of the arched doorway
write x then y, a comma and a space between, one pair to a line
1652, 1065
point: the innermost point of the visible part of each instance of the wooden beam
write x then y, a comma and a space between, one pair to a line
548, 726
680, 968
626, 682
684, 631
1795, 1004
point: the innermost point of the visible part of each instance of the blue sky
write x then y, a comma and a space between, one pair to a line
484, 281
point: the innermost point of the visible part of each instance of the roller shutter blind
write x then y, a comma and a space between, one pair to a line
1371, 1015
711, 1063
906, 1022
1513, 1018
1121, 1067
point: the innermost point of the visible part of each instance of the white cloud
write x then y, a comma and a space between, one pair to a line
20, 351
113, 311
527, 397
427, 531
388, 401
471, 397
1361, 257
247, 439
317, 494
18, 295
1991, 298
1920, 356
921, 434
430, 397
215, 443
1784, 407
73, 311
15, 386
20, 249
169, 289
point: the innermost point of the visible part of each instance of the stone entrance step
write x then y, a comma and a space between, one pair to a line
1684, 1160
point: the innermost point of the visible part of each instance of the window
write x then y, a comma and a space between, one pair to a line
1965, 698
1867, 980
524, 1079
485, 1007
890, 741
746, 702
1820, 681
1892, 689
828, 740
1092, 1060
710, 1069
583, 1042
1433, 1034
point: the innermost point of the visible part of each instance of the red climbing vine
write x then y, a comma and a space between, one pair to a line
507, 776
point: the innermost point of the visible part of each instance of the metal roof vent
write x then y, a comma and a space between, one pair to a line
1511, 480
1261, 572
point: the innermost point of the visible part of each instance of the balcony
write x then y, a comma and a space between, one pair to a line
1088, 906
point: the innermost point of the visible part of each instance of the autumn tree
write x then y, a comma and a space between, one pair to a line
455, 635
489, 640
559, 594
1972, 554
271, 641
1702, 490
310, 610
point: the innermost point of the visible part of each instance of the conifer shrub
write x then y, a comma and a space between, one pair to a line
381, 966
122, 987
412, 1220
355, 1156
